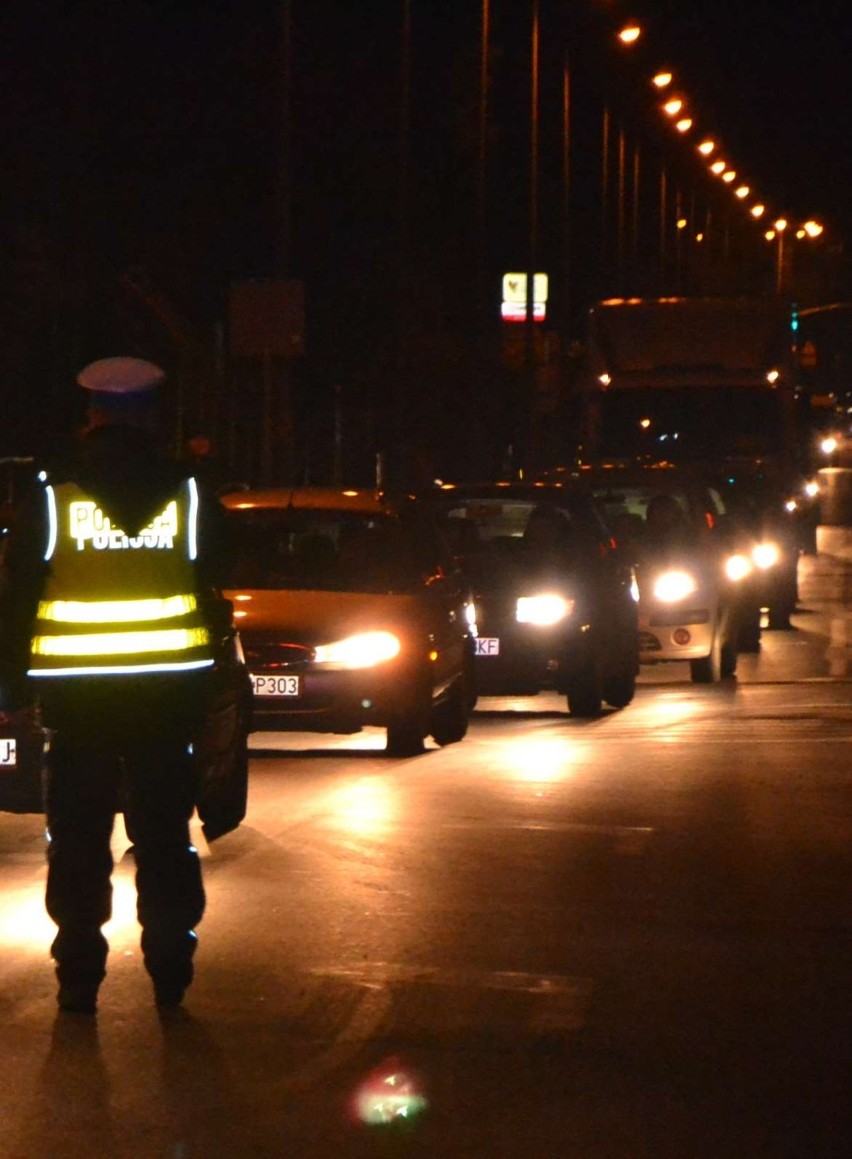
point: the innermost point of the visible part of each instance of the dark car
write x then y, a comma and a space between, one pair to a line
779, 509
555, 600
352, 612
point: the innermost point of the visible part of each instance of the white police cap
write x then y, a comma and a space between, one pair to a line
121, 376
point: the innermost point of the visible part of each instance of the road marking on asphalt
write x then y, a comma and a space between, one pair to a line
629, 840
535, 1003
452, 1004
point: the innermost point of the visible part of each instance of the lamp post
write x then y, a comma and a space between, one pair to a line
780, 267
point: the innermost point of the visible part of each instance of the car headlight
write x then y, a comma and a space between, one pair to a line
543, 610
362, 651
738, 566
671, 586
470, 616
766, 555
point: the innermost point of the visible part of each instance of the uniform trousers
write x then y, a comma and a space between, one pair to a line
123, 743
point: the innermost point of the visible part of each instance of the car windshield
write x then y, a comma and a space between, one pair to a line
645, 514
501, 538
310, 550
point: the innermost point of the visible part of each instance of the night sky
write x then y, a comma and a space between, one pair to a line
156, 153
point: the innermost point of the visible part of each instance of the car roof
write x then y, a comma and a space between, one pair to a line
535, 491
369, 502
662, 476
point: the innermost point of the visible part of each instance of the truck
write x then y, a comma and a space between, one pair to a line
689, 379
710, 383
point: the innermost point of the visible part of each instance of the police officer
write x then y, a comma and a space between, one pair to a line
109, 613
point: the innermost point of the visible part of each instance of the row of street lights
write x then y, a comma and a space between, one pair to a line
675, 108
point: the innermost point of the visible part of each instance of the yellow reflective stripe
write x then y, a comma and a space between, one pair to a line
121, 643
116, 611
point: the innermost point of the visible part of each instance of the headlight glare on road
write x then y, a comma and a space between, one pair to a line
738, 566
766, 555
362, 651
543, 610
671, 586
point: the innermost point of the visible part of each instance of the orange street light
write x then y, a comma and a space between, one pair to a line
630, 34
707, 147
718, 167
662, 80
757, 210
812, 228
673, 107
684, 124
742, 192
728, 176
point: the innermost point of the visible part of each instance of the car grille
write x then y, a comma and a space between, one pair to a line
270, 657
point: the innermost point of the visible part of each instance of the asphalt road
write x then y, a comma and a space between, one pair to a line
621, 938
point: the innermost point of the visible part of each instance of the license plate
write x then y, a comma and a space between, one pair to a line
488, 646
8, 754
277, 685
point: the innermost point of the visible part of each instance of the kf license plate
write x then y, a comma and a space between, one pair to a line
8, 753
488, 646
278, 686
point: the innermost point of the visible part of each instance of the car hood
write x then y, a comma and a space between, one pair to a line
321, 616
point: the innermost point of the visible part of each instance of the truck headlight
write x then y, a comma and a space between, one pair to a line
766, 554
362, 651
543, 610
671, 586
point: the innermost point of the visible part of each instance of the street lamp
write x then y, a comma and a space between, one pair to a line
630, 34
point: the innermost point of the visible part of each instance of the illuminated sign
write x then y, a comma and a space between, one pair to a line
514, 305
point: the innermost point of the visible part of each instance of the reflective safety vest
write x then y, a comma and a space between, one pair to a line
118, 604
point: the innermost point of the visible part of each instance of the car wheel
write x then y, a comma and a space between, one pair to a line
450, 717
619, 690
749, 634
728, 658
708, 669
585, 693
779, 617
405, 735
